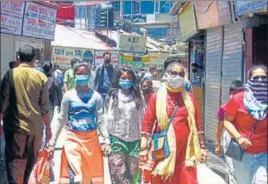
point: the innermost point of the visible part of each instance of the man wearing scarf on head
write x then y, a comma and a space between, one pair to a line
245, 111
185, 133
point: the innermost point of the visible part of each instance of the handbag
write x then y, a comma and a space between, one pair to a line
234, 150
160, 147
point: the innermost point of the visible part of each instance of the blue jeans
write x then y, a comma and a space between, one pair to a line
226, 138
252, 169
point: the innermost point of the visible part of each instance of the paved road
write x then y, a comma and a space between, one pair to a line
205, 175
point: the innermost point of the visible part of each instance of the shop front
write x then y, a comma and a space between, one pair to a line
253, 20
36, 27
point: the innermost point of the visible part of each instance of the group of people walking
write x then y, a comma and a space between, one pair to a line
154, 135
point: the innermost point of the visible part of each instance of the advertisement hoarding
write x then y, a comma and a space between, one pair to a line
63, 55
12, 16
39, 21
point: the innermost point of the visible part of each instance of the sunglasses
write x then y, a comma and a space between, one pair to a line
262, 77
174, 73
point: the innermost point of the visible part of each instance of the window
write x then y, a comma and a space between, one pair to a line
156, 7
135, 6
147, 7
116, 5
80, 11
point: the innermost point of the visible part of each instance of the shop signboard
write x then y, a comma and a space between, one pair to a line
245, 7
99, 57
11, 17
187, 22
39, 21
132, 44
158, 58
63, 55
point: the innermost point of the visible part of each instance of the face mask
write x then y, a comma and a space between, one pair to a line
125, 83
82, 80
175, 82
146, 89
107, 61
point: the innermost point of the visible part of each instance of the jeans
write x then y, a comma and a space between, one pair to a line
252, 169
226, 138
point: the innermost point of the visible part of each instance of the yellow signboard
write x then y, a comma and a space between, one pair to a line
158, 58
187, 22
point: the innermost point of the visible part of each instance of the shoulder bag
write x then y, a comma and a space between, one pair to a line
234, 150
159, 147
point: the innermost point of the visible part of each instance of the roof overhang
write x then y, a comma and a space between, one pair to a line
176, 7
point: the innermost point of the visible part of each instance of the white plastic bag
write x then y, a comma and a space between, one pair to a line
206, 176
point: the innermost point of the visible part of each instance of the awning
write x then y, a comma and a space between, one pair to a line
70, 37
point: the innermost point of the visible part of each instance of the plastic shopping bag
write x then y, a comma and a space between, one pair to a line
41, 171
206, 176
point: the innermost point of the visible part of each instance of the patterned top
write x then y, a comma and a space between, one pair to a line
82, 112
123, 118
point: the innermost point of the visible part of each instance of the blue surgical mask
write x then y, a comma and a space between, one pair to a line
82, 80
125, 83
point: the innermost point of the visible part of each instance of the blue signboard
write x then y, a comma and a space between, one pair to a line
135, 18
245, 7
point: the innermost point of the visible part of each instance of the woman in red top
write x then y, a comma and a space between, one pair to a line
242, 112
186, 127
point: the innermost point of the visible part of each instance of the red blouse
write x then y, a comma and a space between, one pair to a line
180, 116
244, 124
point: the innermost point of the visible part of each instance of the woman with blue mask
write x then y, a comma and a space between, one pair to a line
82, 111
123, 114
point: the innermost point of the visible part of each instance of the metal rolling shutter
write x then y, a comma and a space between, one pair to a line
232, 64
7, 52
213, 80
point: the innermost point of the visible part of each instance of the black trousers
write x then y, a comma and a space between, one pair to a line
21, 154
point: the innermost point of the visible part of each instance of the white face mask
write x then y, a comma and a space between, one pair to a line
175, 82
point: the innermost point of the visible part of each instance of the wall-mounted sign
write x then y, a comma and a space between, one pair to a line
187, 22
11, 16
132, 44
63, 56
39, 21
245, 7
158, 58
99, 57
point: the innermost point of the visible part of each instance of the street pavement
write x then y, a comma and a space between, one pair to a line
204, 174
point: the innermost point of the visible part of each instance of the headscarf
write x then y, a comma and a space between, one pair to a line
256, 98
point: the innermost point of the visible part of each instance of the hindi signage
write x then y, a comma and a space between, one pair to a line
63, 56
39, 21
132, 44
99, 57
11, 17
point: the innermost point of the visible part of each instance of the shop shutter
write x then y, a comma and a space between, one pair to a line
212, 80
232, 64
7, 52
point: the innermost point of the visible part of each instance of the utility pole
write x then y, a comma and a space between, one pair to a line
107, 26
121, 10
